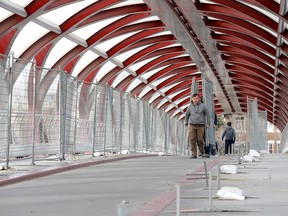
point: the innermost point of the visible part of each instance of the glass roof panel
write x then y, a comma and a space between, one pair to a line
169, 107
265, 12
174, 45
120, 78
61, 48
4, 14
161, 34
61, 14
86, 59
87, 31
106, 68
182, 55
163, 101
144, 91
158, 81
175, 93
125, 55
25, 38
134, 84
154, 96
185, 105
169, 87
152, 72
146, 19
108, 44
267, 29
179, 112
180, 100
138, 65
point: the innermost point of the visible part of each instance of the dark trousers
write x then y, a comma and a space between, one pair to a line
211, 149
228, 146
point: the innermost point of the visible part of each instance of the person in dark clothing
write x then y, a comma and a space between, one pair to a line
230, 137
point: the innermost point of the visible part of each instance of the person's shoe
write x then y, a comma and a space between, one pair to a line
206, 155
192, 157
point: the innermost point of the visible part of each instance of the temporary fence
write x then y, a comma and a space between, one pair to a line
208, 96
257, 126
46, 112
284, 140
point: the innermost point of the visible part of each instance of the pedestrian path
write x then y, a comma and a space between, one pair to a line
144, 185
263, 182
23, 169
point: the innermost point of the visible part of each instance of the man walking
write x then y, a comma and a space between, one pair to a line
230, 137
196, 117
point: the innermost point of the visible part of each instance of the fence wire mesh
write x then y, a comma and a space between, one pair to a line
46, 112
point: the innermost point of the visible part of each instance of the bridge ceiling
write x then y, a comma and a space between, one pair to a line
152, 49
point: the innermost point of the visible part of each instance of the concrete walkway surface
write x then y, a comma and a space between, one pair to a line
143, 185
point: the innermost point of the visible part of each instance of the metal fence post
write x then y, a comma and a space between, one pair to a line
34, 98
121, 121
94, 122
106, 111
75, 123
9, 109
63, 93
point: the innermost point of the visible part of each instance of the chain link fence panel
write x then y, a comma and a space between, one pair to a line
46, 113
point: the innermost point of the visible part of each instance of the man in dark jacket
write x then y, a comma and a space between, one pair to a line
230, 137
196, 117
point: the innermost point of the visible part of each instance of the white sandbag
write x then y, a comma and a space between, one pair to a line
228, 169
248, 158
254, 153
231, 193
125, 152
264, 152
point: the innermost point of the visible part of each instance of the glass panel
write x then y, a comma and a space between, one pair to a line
58, 16
163, 101
120, 78
145, 91
87, 31
86, 59
108, 44
150, 18
138, 65
125, 55
154, 96
106, 68
134, 84
28, 35
158, 81
4, 14
60, 49
152, 72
